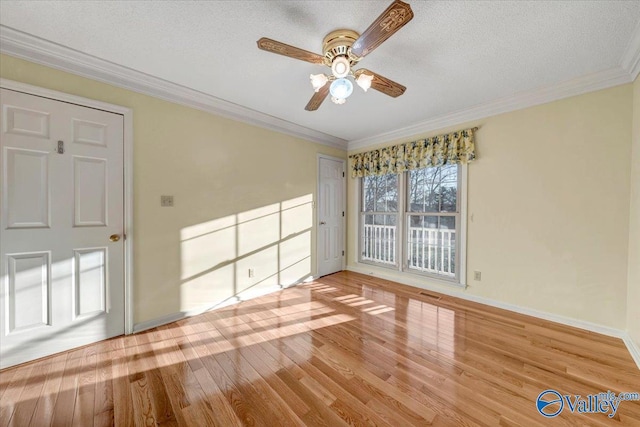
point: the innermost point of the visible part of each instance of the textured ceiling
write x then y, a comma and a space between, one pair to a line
451, 56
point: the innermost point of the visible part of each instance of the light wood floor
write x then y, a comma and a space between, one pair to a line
347, 349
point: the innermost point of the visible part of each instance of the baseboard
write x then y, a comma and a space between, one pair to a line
174, 317
633, 348
243, 296
158, 321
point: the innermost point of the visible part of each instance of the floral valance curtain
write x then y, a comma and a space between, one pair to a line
452, 148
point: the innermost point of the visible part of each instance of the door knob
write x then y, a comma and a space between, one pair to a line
322, 223
114, 237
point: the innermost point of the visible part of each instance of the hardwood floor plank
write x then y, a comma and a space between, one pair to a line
222, 409
143, 410
161, 406
11, 395
122, 397
43, 412
320, 413
85, 398
348, 397
241, 371
174, 375
5, 379
379, 388
27, 401
268, 369
67, 396
103, 396
142, 407
234, 393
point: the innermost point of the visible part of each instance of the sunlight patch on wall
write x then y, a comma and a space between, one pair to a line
258, 228
246, 254
206, 245
265, 267
216, 285
297, 215
295, 258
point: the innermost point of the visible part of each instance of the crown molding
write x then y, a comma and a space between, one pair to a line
589, 83
631, 58
34, 49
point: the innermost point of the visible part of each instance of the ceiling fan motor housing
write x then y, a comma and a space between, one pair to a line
338, 43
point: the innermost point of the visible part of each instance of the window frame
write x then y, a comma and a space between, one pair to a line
401, 243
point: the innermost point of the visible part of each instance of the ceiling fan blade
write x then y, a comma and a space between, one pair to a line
317, 98
292, 52
383, 84
395, 17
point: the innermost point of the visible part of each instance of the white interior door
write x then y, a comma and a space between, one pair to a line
331, 211
61, 275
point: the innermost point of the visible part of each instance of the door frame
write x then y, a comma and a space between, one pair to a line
344, 208
127, 114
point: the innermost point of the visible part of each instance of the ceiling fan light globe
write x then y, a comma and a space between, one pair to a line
341, 88
318, 81
340, 67
364, 81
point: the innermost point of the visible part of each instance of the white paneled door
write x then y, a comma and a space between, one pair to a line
61, 243
331, 213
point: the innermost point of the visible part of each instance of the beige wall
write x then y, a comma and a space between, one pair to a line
243, 198
548, 205
633, 291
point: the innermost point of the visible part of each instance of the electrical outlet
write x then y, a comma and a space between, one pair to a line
166, 201
251, 272
477, 275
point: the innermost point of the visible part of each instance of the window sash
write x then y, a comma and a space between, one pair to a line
377, 203
380, 243
437, 253
407, 250
442, 185
387, 252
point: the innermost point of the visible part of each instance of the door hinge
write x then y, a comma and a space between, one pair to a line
343, 174
342, 213
60, 148
342, 253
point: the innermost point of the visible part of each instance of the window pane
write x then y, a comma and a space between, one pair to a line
379, 233
433, 189
380, 193
431, 244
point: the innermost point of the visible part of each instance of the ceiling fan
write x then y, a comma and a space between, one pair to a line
342, 50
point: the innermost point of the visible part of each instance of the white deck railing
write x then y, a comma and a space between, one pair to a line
379, 243
430, 249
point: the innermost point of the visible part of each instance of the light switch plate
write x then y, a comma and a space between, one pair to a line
166, 201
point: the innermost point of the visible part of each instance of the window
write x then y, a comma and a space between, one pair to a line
432, 200
380, 219
412, 221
